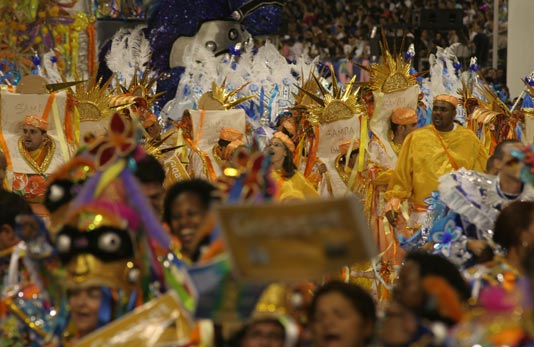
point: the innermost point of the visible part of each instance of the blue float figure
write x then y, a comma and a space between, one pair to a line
216, 24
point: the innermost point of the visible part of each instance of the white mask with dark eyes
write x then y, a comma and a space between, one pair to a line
109, 242
63, 243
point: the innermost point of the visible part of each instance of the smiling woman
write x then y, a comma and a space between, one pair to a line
186, 211
292, 184
84, 306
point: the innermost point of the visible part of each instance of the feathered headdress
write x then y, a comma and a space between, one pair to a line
130, 51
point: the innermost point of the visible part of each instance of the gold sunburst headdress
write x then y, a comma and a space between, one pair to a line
156, 147
494, 118
393, 73
341, 103
221, 99
309, 85
467, 97
92, 99
489, 109
141, 85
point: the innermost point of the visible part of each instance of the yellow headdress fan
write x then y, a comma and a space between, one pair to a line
92, 99
309, 85
467, 99
340, 104
392, 74
221, 99
494, 119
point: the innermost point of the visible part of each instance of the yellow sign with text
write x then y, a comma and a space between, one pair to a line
146, 326
287, 242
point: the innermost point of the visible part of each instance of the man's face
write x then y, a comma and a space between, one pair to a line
509, 166
443, 114
8, 238
154, 193
32, 137
264, 334
154, 130
406, 129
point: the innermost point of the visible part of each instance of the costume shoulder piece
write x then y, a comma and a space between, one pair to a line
472, 195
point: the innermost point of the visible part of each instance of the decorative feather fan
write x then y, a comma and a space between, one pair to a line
130, 50
269, 76
443, 77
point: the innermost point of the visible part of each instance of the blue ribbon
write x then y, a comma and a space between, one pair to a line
106, 304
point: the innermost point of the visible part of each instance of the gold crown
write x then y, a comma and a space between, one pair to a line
142, 86
92, 100
273, 302
392, 74
340, 104
221, 99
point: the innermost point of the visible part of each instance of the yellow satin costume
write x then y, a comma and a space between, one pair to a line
423, 159
296, 187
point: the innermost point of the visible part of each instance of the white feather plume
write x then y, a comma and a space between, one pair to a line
130, 50
266, 69
52, 73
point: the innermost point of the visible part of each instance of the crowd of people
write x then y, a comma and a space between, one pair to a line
122, 225
349, 31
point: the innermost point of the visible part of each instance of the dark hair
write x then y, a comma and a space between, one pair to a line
343, 157
437, 265
499, 149
12, 205
393, 126
490, 163
288, 166
361, 301
149, 170
512, 220
204, 189
223, 143
236, 339
528, 264
285, 131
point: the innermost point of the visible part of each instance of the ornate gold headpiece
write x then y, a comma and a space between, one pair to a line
142, 84
488, 110
92, 99
392, 74
340, 104
221, 99
302, 98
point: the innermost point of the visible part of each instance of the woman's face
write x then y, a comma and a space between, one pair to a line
187, 215
84, 306
337, 324
409, 291
399, 325
277, 150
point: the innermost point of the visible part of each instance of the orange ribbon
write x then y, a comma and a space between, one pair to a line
48, 106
